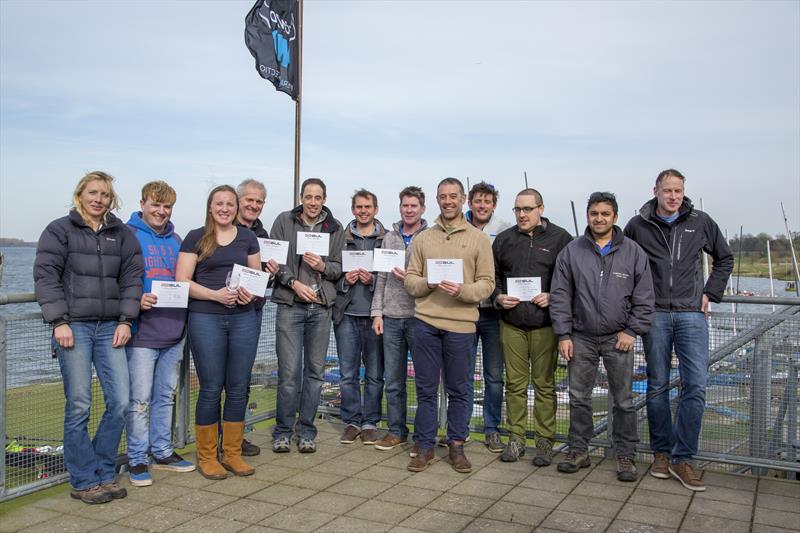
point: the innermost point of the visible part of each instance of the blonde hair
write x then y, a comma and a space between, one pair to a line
97, 175
207, 244
159, 191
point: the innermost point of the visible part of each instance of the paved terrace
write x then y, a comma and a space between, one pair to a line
344, 488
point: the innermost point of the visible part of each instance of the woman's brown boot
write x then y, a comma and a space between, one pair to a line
206, 444
232, 435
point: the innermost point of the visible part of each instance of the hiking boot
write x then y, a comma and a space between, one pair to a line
349, 435
114, 490
626, 469
369, 436
684, 473
306, 445
513, 450
281, 445
660, 466
139, 476
92, 495
493, 442
414, 450
249, 449
173, 463
544, 453
457, 458
444, 443
574, 461
389, 441
421, 460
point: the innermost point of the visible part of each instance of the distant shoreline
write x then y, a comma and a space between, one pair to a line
11, 242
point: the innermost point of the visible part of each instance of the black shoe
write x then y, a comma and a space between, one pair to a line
249, 449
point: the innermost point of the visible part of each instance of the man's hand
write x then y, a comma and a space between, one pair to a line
507, 302
148, 301
272, 267
399, 274
364, 276
63, 335
351, 277
314, 261
450, 288
565, 349
377, 325
542, 299
624, 342
121, 335
706, 305
304, 292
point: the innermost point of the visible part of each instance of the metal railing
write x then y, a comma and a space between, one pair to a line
750, 418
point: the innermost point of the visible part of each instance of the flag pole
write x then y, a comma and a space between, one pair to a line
298, 103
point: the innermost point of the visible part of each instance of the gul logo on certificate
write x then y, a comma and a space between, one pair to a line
316, 243
355, 259
255, 281
440, 270
272, 249
524, 288
385, 259
171, 293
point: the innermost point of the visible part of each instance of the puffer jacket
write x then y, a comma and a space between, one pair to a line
83, 275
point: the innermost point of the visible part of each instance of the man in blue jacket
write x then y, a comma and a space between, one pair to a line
673, 233
601, 298
156, 349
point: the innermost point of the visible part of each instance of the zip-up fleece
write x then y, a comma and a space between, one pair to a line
391, 297
675, 259
82, 275
358, 295
457, 315
520, 255
596, 295
285, 228
159, 327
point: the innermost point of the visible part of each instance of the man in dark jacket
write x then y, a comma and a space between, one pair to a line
673, 233
528, 250
305, 292
601, 299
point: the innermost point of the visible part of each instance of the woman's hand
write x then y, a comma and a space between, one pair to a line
63, 335
226, 297
121, 335
243, 296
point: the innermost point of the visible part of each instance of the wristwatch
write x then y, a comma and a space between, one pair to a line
290, 283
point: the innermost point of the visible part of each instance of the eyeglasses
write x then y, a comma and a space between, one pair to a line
527, 210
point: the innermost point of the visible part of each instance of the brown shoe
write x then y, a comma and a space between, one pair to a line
421, 461
369, 436
389, 441
414, 450
114, 490
684, 473
660, 466
232, 435
349, 435
457, 458
206, 442
93, 495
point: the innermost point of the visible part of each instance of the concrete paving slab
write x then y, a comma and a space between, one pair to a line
313, 480
280, 494
731, 481
590, 505
784, 519
354, 525
437, 521
570, 521
516, 513
65, 523
199, 501
555, 484
654, 516
778, 503
116, 528
671, 486
761, 528
409, 495
332, 503
508, 476
434, 480
623, 526
189, 480
210, 524
385, 512
298, 519
663, 500
704, 523
247, 510
236, 486
339, 467
274, 473
732, 511
781, 487
540, 498
460, 503
25, 517
486, 489
384, 473
725, 494
485, 525
609, 492
362, 488
158, 519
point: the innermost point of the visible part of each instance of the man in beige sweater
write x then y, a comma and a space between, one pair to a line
445, 315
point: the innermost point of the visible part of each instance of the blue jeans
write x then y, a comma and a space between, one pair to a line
488, 331
154, 382
398, 339
92, 462
436, 350
688, 333
302, 334
357, 343
223, 349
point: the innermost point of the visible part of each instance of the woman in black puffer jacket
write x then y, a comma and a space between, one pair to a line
88, 282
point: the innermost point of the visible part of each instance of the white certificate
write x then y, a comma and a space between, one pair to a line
255, 281
277, 250
355, 259
313, 242
171, 293
385, 260
524, 288
440, 270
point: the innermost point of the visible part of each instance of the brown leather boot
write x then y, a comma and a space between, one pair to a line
232, 435
206, 444
458, 459
421, 460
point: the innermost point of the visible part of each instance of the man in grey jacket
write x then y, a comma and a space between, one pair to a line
392, 316
305, 292
601, 298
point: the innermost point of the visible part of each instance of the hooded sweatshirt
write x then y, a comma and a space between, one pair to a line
158, 327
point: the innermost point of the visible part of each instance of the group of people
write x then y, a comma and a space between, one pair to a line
593, 296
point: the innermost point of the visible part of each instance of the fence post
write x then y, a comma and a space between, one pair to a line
791, 416
609, 452
759, 400
2, 407
182, 404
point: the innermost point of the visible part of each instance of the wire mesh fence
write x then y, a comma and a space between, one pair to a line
750, 416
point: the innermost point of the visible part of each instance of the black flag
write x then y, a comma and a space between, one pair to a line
272, 34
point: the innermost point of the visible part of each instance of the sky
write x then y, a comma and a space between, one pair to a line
583, 96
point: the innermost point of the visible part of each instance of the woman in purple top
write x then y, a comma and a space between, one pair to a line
223, 330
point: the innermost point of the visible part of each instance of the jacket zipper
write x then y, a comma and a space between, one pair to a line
102, 277
670, 249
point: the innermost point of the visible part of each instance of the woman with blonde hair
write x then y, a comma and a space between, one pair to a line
88, 282
223, 330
